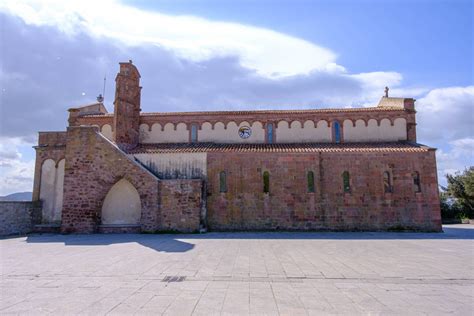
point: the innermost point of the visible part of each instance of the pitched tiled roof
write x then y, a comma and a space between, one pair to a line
279, 148
310, 111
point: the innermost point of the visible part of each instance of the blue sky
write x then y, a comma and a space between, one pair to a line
205, 55
430, 42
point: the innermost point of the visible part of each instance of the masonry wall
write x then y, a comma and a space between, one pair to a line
289, 205
18, 218
180, 202
93, 166
51, 145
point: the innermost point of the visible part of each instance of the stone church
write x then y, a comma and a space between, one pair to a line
321, 169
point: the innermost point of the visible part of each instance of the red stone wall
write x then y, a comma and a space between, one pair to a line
127, 106
93, 166
180, 202
289, 206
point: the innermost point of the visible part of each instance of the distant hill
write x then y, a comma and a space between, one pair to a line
19, 196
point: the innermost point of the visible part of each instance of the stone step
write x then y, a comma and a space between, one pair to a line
47, 228
119, 229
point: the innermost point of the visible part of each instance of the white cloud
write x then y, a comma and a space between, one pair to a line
268, 52
446, 114
459, 156
188, 63
445, 120
16, 174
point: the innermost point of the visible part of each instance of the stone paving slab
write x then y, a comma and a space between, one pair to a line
240, 274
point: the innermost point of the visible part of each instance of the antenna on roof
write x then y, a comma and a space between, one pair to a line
103, 90
101, 97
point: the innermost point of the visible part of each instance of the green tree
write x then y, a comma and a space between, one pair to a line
460, 192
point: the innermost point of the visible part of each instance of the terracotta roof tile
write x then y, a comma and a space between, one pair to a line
310, 111
279, 148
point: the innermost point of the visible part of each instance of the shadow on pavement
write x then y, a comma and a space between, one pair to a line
174, 243
162, 243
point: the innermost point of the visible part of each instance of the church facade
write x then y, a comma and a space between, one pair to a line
321, 169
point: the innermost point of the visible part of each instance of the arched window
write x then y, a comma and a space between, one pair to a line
346, 182
387, 182
194, 134
337, 132
310, 179
270, 133
222, 182
266, 182
416, 181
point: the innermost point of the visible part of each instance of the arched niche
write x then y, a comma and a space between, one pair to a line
48, 178
58, 191
230, 133
121, 205
51, 190
106, 130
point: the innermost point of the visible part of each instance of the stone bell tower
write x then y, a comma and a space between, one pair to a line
127, 106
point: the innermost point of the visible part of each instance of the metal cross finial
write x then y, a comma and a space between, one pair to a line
386, 92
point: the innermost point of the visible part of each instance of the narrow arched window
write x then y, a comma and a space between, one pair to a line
337, 132
310, 179
346, 181
270, 133
266, 182
194, 134
222, 182
416, 181
387, 182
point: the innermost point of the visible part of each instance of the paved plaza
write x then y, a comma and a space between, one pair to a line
240, 273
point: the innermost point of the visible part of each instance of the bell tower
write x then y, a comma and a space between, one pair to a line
127, 106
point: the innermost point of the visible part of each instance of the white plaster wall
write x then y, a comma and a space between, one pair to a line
168, 135
372, 132
357, 133
47, 190
144, 134
284, 134
400, 129
172, 166
385, 130
308, 133
231, 134
121, 205
58, 191
106, 130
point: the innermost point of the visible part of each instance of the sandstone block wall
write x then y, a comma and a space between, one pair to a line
93, 166
19, 217
180, 202
289, 205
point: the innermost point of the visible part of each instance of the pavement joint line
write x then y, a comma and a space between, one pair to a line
281, 280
